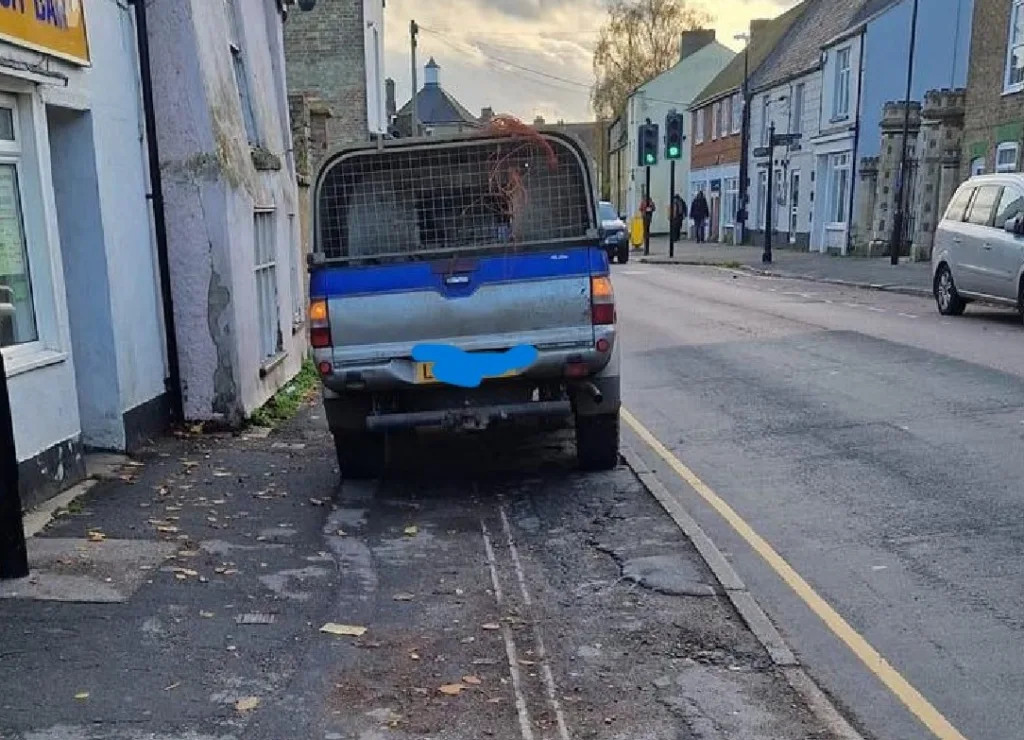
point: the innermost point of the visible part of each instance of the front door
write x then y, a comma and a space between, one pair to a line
794, 204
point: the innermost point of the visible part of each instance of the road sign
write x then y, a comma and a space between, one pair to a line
762, 151
781, 139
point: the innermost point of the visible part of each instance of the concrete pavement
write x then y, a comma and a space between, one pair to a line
483, 589
913, 278
871, 446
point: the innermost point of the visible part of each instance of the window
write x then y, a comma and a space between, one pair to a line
1006, 157
1014, 81
1011, 206
241, 76
838, 187
267, 311
796, 125
716, 116
841, 94
730, 200
983, 205
17, 308
764, 120
737, 113
724, 124
978, 166
958, 205
698, 125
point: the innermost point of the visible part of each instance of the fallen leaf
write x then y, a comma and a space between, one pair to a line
527, 662
490, 626
159, 522
186, 572
340, 532
404, 597
173, 686
221, 474
188, 553
167, 529
82, 695
414, 656
247, 704
411, 531
206, 615
180, 576
452, 689
316, 502
345, 630
95, 535
471, 680
495, 700
485, 661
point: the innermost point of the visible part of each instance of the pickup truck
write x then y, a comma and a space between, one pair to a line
472, 248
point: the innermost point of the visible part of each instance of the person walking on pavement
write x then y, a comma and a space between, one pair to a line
647, 209
699, 213
678, 216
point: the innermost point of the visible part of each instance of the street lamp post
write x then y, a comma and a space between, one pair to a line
899, 214
741, 217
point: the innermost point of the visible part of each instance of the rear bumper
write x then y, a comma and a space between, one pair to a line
399, 373
468, 418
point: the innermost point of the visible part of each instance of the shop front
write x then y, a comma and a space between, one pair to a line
80, 325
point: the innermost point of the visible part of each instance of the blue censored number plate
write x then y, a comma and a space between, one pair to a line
425, 373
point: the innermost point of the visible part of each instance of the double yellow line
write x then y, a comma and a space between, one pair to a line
871, 658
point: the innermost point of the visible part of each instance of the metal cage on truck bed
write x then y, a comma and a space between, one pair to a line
413, 199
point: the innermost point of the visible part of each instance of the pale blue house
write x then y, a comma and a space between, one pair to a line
864, 68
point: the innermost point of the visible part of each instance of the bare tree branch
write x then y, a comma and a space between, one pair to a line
640, 40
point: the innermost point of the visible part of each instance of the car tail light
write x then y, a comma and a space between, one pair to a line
319, 325
602, 301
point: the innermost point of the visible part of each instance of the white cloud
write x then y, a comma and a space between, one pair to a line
483, 46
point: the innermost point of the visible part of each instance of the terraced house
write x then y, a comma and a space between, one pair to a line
994, 117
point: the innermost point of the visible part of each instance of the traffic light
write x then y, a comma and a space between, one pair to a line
648, 150
674, 135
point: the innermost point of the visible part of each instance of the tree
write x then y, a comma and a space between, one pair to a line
640, 40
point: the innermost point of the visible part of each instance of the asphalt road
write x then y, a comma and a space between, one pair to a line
876, 446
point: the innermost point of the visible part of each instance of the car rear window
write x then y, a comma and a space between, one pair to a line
958, 206
983, 204
607, 212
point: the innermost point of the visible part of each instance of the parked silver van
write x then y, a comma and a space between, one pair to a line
979, 245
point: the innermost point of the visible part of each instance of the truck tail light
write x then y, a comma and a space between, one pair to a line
319, 325
602, 301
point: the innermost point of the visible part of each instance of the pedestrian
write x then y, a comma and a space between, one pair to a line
647, 209
678, 216
699, 213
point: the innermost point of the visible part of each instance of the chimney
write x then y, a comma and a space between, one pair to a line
486, 114
432, 73
695, 40
391, 105
757, 27
538, 121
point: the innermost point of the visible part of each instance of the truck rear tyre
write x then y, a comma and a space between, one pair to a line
360, 454
597, 441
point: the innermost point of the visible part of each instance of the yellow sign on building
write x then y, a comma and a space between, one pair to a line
54, 27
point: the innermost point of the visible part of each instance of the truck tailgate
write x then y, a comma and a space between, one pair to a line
491, 302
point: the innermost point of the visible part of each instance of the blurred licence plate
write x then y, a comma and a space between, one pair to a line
425, 373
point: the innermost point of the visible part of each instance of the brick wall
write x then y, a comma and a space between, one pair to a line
991, 117
326, 58
712, 152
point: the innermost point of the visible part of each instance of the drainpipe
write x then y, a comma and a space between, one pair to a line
856, 147
159, 217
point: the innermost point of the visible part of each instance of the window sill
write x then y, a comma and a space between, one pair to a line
839, 119
270, 365
1013, 89
24, 362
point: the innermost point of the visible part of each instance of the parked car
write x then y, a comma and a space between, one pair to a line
979, 245
612, 232
443, 295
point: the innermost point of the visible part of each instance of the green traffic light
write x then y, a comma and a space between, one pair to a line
673, 151
650, 159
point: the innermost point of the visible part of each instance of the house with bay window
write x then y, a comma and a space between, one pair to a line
717, 124
809, 95
859, 140
994, 108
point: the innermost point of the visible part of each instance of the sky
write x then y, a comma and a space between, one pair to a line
483, 47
